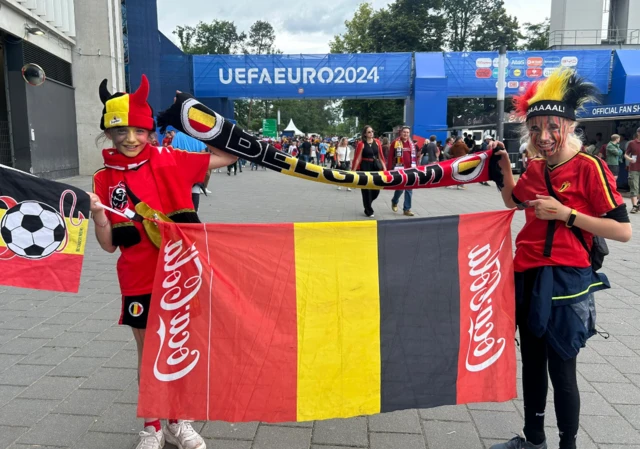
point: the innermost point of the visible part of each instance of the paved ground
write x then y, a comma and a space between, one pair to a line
67, 371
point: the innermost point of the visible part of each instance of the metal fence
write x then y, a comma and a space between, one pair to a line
612, 36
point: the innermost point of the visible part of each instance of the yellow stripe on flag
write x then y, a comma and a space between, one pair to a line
77, 236
202, 117
338, 308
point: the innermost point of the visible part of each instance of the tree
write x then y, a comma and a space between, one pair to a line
219, 37
496, 28
536, 35
404, 26
261, 40
357, 38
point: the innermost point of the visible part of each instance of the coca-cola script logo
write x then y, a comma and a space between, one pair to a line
484, 348
176, 359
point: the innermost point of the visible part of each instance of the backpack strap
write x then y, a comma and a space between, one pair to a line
551, 226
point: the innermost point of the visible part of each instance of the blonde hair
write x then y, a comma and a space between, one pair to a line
614, 137
573, 141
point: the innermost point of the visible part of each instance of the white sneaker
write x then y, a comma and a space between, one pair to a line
183, 436
150, 439
208, 191
348, 189
339, 188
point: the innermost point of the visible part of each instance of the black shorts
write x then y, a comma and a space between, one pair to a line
135, 310
615, 169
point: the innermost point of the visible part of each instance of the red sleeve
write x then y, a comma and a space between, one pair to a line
356, 156
101, 188
192, 166
600, 187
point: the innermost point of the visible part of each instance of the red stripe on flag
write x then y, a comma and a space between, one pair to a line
200, 127
254, 323
57, 272
486, 366
222, 347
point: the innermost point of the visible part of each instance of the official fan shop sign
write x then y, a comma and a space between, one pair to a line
612, 110
474, 73
384, 75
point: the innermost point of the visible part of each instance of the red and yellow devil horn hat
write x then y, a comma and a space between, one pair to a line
123, 109
560, 95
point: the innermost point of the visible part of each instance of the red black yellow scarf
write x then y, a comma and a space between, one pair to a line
175, 199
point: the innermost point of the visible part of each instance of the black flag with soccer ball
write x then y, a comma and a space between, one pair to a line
43, 231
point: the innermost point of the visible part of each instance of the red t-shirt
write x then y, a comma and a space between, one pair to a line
633, 149
136, 265
583, 183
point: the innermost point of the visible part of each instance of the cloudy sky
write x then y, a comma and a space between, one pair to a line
301, 27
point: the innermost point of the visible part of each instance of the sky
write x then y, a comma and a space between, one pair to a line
301, 27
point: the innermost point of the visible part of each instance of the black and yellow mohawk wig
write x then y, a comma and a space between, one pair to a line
561, 95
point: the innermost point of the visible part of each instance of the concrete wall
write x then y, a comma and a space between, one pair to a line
98, 31
576, 22
13, 18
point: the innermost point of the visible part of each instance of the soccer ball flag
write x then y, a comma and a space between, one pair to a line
43, 231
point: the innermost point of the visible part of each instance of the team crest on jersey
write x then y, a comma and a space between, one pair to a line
118, 196
565, 186
136, 309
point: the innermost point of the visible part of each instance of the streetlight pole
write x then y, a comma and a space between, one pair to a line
502, 68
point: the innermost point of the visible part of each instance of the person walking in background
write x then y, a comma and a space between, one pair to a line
323, 152
459, 149
402, 155
331, 155
305, 150
614, 154
385, 148
168, 138
430, 151
343, 160
235, 168
369, 157
188, 143
314, 153
633, 156
447, 148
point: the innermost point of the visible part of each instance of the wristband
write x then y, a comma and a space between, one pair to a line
572, 218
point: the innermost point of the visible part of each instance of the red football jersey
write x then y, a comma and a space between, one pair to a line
137, 264
583, 183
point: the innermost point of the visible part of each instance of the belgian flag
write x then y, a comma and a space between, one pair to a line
307, 321
43, 231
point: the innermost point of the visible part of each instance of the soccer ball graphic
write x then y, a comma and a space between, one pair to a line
33, 230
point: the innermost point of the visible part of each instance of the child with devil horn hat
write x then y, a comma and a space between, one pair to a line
136, 173
571, 204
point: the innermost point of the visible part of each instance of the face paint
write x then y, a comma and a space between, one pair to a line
128, 140
549, 134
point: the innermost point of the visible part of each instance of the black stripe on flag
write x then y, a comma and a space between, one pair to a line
419, 312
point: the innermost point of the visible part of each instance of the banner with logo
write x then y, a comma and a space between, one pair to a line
276, 322
472, 74
361, 75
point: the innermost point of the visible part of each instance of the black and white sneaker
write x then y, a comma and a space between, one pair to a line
519, 443
635, 209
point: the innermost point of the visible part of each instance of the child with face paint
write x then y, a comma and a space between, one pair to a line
568, 197
161, 177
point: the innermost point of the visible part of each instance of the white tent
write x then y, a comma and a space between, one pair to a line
292, 127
